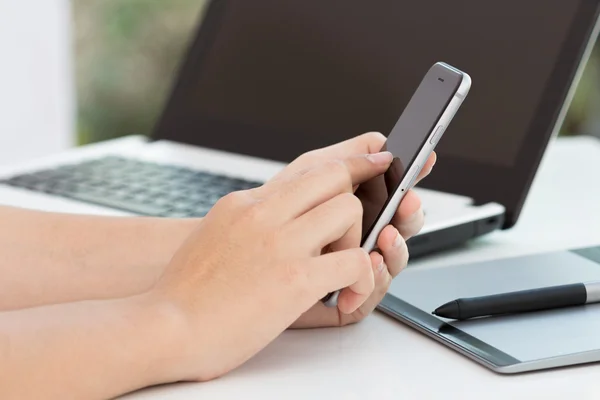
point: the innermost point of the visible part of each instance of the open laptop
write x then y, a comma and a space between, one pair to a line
266, 80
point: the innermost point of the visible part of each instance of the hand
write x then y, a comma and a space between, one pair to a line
255, 263
406, 223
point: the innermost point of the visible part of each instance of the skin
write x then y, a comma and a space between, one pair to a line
100, 306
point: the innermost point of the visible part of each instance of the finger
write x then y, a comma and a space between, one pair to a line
367, 143
292, 198
412, 226
383, 279
426, 170
409, 217
322, 316
394, 250
337, 223
349, 270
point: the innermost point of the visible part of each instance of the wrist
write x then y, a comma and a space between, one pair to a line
162, 328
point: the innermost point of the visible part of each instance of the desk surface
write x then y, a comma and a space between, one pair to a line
381, 358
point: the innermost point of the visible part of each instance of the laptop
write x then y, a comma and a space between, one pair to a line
264, 81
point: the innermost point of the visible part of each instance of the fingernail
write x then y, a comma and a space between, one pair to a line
380, 266
385, 157
397, 241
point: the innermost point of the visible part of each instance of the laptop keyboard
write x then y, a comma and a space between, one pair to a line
135, 186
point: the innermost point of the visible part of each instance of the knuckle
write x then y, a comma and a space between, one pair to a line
340, 170
354, 204
374, 137
306, 156
234, 200
363, 259
384, 287
336, 167
244, 205
300, 159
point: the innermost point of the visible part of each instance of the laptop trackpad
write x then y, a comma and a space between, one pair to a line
525, 337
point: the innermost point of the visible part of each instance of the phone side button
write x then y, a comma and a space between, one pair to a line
437, 134
414, 178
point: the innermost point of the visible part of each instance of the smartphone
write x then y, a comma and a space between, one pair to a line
416, 133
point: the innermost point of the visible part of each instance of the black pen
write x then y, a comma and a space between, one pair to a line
575, 294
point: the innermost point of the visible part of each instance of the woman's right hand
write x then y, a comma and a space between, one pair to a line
254, 265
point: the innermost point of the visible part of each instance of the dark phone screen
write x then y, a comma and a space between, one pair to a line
406, 139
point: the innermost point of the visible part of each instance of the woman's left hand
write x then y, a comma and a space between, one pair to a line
393, 258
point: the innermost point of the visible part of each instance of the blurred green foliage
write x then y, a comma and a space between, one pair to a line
128, 51
584, 113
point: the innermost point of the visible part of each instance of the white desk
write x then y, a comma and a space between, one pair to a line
381, 358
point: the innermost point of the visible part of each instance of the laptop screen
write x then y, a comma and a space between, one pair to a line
274, 79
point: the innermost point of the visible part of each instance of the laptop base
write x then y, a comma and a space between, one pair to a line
452, 237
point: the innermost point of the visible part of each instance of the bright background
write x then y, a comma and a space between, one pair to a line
37, 109
80, 71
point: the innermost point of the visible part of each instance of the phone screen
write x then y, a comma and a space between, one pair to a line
406, 139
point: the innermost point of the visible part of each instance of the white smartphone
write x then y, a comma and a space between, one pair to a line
411, 141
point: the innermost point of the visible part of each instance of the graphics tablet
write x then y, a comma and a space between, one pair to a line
512, 343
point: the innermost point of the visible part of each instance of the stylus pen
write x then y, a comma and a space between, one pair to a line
575, 294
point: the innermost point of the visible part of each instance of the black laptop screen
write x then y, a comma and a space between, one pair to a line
273, 78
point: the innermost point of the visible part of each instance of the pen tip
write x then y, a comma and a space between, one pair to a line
447, 310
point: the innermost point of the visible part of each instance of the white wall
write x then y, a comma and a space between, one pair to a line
36, 88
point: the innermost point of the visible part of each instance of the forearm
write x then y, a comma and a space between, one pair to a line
88, 350
50, 258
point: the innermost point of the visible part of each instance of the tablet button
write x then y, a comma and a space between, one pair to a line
437, 134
